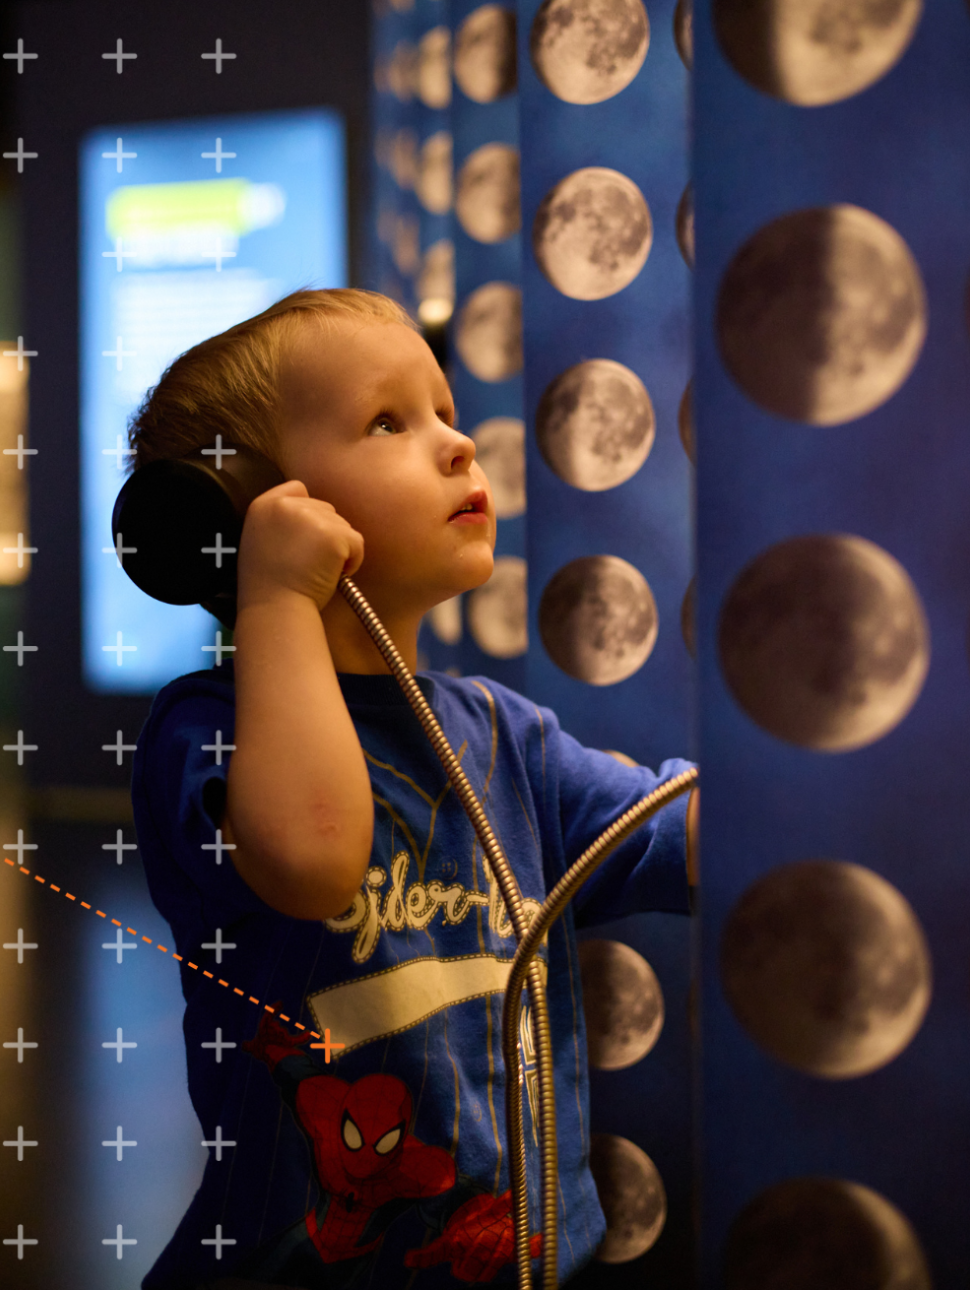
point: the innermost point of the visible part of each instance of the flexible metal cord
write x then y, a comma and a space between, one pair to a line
529, 936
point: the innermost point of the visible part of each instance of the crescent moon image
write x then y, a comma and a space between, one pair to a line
598, 619
685, 422
623, 1003
434, 68
402, 71
487, 204
445, 621
497, 611
595, 424
811, 52
632, 1195
684, 32
485, 53
592, 233
500, 451
824, 642
825, 965
404, 158
488, 333
437, 278
585, 51
685, 226
434, 186
688, 618
805, 1233
821, 315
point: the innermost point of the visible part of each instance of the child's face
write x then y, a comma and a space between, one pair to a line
368, 426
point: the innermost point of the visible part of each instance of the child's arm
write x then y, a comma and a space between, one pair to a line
299, 808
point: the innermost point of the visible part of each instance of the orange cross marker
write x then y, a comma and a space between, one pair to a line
327, 1044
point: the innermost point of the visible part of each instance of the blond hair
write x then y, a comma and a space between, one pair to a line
230, 384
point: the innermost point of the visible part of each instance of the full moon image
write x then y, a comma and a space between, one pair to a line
811, 52
623, 1003
632, 1195
598, 619
684, 31
488, 332
497, 617
437, 278
825, 965
434, 68
821, 315
586, 51
806, 1233
434, 186
688, 618
404, 158
500, 451
685, 423
824, 642
445, 621
401, 71
592, 233
595, 424
685, 226
485, 53
487, 204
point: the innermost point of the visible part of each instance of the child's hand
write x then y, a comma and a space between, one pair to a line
294, 542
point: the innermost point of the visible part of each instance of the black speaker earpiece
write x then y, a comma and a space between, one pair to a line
176, 524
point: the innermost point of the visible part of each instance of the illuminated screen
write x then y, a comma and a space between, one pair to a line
187, 227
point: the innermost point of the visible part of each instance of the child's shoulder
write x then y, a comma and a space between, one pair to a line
482, 694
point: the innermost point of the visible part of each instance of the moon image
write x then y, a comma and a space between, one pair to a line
823, 641
595, 424
623, 1003
434, 68
811, 52
488, 332
404, 158
805, 1233
401, 71
685, 226
685, 423
487, 204
500, 451
592, 233
405, 247
684, 32
598, 619
825, 965
632, 1195
688, 618
497, 611
586, 51
436, 280
485, 53
821, 315
445, 621
434, 186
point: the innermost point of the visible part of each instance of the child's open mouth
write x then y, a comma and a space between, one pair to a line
473, 511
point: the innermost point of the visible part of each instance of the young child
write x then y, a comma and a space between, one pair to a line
356, 899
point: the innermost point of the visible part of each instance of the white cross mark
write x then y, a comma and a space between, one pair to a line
218, 1044
219, 649
20, 846
118, 846
219, 56
119, 550
20, 550
21, 156
218, 156
19, 1142
218, 846
219, 255
20, 649
118, 56
20, 944
118, 649
119, 749
119, 1044
120, 946
118, 452
218, 747
20, 353
218, 550
118, 255
119, 156
119, 1144
218, 1142
19, 748
219, 452
118, 354
20, 452
219, 1241
20, 1045
218, 945
20, 56
22, 1240
119, 1240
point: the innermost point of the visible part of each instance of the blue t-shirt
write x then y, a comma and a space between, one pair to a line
399, 1143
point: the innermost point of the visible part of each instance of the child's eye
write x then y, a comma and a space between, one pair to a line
382, 426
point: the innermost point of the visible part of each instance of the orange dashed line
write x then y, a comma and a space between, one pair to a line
283, 1017
148, 939
192, 965
85, 905
7, 860
176, 956
265, 1005
116, 923
299, 1025
162, 948
225, 983
208, 974
25, 872
314, 1034
53, 888
38, 878
100, 913
236, 990
70, 897
130, 930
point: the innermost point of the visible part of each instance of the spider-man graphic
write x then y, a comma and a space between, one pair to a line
370, 1169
